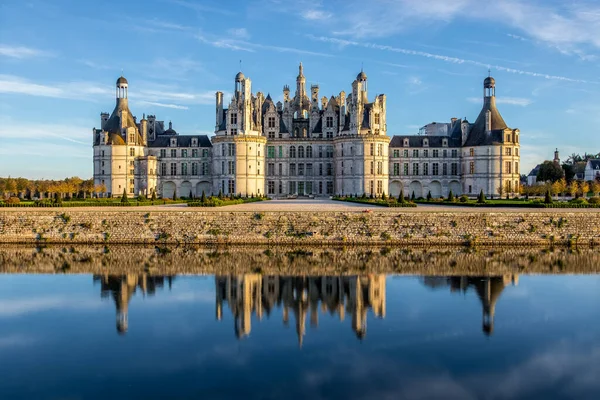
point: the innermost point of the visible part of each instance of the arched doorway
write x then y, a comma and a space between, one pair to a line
455, 187
168, 190
415, 187
186, 189
395, 188
205, 187
435, 188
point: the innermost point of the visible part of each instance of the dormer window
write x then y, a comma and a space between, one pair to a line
445, 142
425, 142
405, 142
194, 142
173, 142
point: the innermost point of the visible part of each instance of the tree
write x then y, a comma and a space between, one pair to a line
500, 189
412, 197
383, 196
550, 171
175, 194
401, 197
569, 171
429, 196
560, 186
203, 197
574, 188
153, 197
548, 198
585, 188
191, 195
220, 196
595, 187
481, 197
124, 199
451, 196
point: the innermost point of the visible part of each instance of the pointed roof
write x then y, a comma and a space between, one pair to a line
478, 135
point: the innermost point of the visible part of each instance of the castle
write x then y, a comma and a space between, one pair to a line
305, 146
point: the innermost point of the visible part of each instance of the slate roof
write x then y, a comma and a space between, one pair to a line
417, 141
182, 141
478, 135
535, 170
113, 125
223, 125
595, 164
282, 127
319, 126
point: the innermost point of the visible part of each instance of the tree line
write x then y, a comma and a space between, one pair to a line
64, 189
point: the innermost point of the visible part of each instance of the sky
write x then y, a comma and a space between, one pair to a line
59, 60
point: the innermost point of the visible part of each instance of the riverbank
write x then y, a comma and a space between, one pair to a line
442, 228
295, 260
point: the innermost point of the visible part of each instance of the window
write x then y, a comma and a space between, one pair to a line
309, 188
516, 168
205, 168
377, 118
471, 167
300, 169
195, 153
132, 152
280, 187
271, 135
435, 153
507, 167
102, 153
472, 152
415, 169
371, 187
435, 169
184, 169
379, 187
379, 168
396, 153
425, 153
173, 153
233, 118
291, 187
329, 187
372, 149
329, 169
231, 167
380, 149
231, 149
444, 169
454, 169
194, 168
271, 187
204, 152
223, 169
415, 153
320, 169
396, 168
173, 169
329, 135
300, 151
406, 153
271, 152
280, 152
163, 153
184, 153
372, 168
406, 168
292, 169
444, 153
292, 151
309, 169
270, 169
271, 122
508, 151
516, 151
320, 151
426, 169
329, 151
280, 169
308, 151
454, 153
329, 122
320, 187
231, 186
163, 169
234, 131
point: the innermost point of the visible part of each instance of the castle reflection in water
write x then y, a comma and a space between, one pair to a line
304, 297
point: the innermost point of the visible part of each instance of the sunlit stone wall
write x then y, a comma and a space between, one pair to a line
332, 228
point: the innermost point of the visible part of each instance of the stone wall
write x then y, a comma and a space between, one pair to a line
69, 226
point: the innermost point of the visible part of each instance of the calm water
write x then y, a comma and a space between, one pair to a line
256, 336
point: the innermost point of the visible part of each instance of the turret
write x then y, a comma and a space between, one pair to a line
144, 129
219, 111
300, 83
489, 92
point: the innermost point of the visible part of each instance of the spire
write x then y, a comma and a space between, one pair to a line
170, 125
300, 70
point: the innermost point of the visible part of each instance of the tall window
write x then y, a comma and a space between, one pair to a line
292, 151
396, 168
184, 169
379, 187
300, 151
371, 187
471, 167
301, 169
406, 153
435, 153
377, 118
415, 168
271, 152
231, 149
163, 153
320, 151
507, 167
380, 149
425, 153
516, 151
508, 151
329, 122
231, 186
308, 151
280, 152
426, 169
372, 167
233, 118
309, 169
195, 153
444, 169
205, 168
435, 169
329, 151
271, 122
454, 169
271, 187
292, 169
184, 153
454, 153
415, 153
516, 168
280, 169
329, 169
320, 169
329, 187
132, 152
372, 149
163, 169
471, 152
194, 168
173, 153
379, 167
405, 168
231, 167
173, 168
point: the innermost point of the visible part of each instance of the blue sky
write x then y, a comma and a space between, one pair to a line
59, 60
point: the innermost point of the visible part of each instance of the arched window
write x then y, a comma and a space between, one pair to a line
308, 151
292, 151
300, 151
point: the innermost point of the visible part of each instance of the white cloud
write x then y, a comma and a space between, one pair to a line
316, 15
439, 57
21, 52
163, 105
70, 90
240, 33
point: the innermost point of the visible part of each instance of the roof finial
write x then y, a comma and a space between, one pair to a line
361, 66
170, 125
240, 65
301, 69
489, 73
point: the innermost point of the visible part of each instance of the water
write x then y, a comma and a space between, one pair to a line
356, 335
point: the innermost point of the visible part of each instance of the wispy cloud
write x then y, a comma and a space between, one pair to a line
162, 105
204, 6
241, 33
515, 101
316, 15
71, 90
21, 52
439, 57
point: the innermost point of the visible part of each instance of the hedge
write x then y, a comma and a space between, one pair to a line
375, 202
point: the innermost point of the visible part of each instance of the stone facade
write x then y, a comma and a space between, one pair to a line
305, 146
330, 228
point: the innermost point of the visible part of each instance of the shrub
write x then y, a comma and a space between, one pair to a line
463, 199
594, 200
481, 197
451, 196
124, 199
401, 197
13, 200
429, 196
153, 198
412, 197
578, 201
203, 197
548, 198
